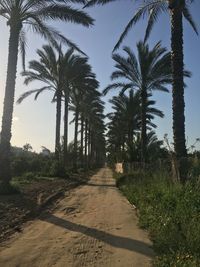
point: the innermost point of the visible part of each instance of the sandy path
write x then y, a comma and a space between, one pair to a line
93, 226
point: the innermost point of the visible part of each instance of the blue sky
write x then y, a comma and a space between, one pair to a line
34, 121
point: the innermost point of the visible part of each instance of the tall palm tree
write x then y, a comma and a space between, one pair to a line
178, 9
88, 108
125, 120
79, 76
79, 95
155, 151
50, 70
96, 140
147, 72
33, 14
125, 123
92, 127
68, 75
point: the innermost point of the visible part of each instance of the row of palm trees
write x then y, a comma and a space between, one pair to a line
69, 76
124, 140
177, 9
148, 71
88, 113
21, 16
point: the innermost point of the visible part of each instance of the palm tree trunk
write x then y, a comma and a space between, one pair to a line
82, 133
58, 122
76, 138
131, 142
5, 147
143, 125
92, 149
89, 145
86, 143
123, 146
178, 103
66, 128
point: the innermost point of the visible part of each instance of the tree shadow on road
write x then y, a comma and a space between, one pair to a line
113, 240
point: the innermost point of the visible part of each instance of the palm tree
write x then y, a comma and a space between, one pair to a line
92, 128
125, 120
75, 107
50, 70
34, 14
79, 76
155, 150
68, 75
178, 9
148, 72
88, 109
125, 123
96, 129
79, 95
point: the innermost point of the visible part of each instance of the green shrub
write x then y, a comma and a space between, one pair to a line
29, 176
194, 167
8, 189
19, 166
37, 164
57, 170
177, 260
171, 213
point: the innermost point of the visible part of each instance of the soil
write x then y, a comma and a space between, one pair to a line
33, 198
93, 225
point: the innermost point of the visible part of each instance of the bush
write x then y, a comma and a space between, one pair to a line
171, 213
177, 260
57, 169
29, 176
8, 189
36, 164
19, 166
194, 167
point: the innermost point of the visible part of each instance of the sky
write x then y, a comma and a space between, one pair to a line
34, 121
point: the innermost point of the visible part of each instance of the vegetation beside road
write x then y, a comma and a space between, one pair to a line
171, 214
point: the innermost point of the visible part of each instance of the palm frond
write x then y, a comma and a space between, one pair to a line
35, 91
90, 3
188, 17
65, 13
22, 46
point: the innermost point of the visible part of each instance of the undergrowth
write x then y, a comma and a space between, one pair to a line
171, 214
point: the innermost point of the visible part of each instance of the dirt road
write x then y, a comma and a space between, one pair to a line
93, 226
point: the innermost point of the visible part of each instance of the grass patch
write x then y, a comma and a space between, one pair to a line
30, 177
171, 214
8, 189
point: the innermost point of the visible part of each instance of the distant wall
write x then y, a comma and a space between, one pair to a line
119, 167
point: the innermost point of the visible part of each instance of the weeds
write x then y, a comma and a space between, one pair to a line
7, 189
171, 214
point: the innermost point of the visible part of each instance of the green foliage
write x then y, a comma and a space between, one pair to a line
29, 176
151, 9
7, 189
57, 170
29, 163
194, 167
19, 165
171, 213
130, 130
28, 166
177, 260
